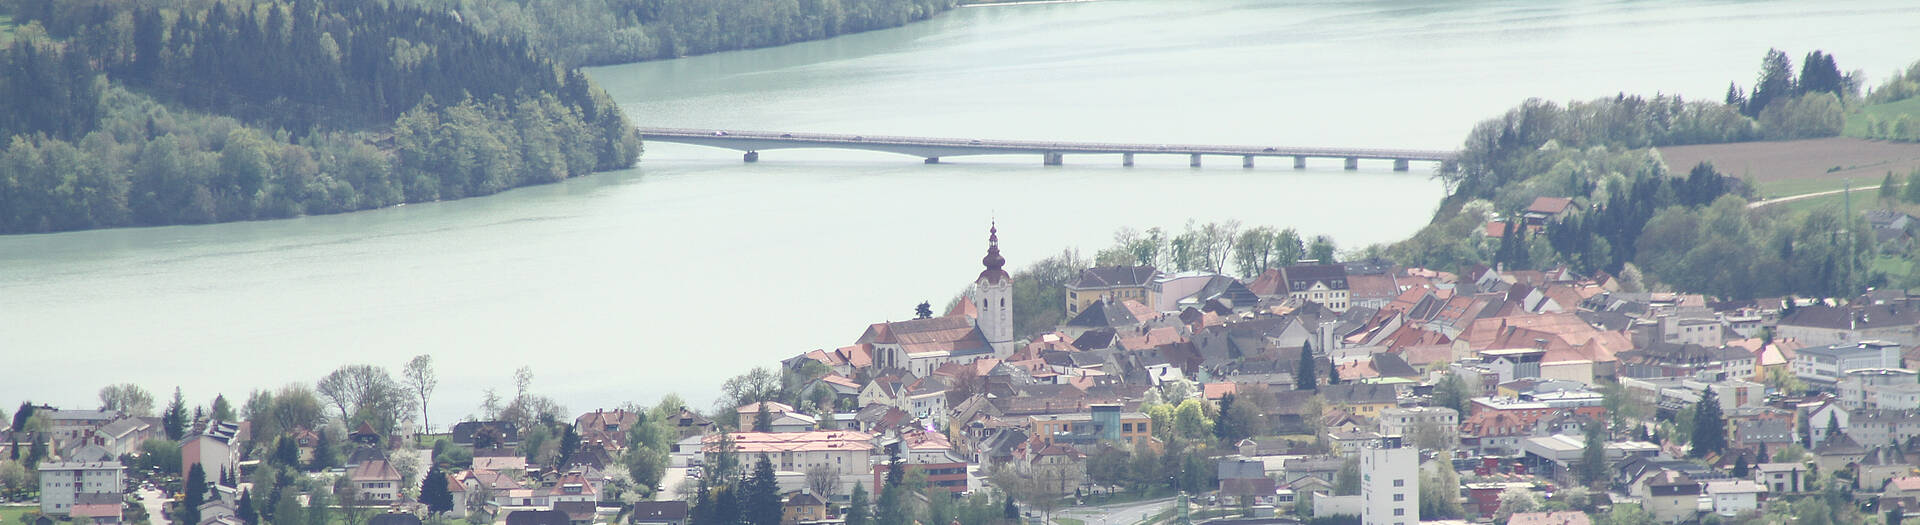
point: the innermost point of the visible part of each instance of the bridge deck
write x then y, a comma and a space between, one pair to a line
933, 147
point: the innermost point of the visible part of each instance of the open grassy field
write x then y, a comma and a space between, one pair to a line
11, 514
1798, 167
1784, 187
1830, 159
1857, 122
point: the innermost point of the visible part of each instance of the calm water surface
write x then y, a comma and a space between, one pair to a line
692, 267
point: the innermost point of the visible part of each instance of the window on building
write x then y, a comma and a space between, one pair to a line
1399, 512
1403, 497
1399, 483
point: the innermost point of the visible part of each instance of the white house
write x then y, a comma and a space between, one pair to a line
1733, 496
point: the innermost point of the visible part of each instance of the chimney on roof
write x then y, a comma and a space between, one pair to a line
1540, 344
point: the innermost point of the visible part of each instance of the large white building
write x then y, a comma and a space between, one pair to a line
1824, 365
848, 452
1406, 422
63, 484
1879, 388
1389, 484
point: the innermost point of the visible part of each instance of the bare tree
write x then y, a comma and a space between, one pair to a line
128, 398
349, 497
369, 390
420, 378
822, 480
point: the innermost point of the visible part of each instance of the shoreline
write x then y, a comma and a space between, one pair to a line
999, 3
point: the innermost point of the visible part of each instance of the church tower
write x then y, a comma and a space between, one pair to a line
992, 293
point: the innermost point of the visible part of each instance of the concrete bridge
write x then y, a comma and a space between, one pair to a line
1051, 153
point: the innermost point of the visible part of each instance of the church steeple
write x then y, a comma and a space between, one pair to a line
992, 294
993, 261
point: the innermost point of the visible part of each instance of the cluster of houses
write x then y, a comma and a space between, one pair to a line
1532, 347
961, 396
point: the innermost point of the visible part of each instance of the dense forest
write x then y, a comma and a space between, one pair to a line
1691, 230
131, 113
598, 32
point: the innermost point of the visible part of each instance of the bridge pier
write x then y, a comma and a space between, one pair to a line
751, 156
1299, 162
933, 160
1353, 163
1052, 159
1399, 164
1194, 161
1126, 159
1246, 161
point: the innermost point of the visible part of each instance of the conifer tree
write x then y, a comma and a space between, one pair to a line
762, 495
857, 511
1303, 376
196, 489
245, 511
1709, 426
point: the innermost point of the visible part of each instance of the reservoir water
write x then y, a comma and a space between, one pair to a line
692, 266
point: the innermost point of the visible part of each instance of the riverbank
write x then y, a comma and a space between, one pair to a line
997, 3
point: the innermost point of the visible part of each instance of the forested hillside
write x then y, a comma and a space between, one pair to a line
1631, 216
130, 112
598, 32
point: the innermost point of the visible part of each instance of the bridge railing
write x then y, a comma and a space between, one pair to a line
1044, 146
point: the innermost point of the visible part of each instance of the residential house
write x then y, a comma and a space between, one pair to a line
1881, 464
1110, 283
538, 517
802, 508
104, 508
1669, 495
1545, 210
1782, 478
377, 481
1731, 497
122, 436
1838, 452
1323, 284
659, 513
690, 423
485, 434
1366, 400
781, 417
1057, 468
1902, 487
607, 429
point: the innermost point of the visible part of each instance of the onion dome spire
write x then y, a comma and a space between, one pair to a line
993, 261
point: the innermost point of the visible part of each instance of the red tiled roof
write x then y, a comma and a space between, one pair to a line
1215, 391
1549, 205
938, 334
